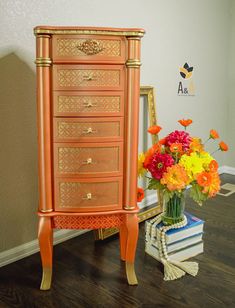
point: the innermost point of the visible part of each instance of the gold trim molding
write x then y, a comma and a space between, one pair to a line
89, 32
46, 211
133, 63
43, 62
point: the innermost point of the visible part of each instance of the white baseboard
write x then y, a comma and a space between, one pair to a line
227, 169
27, 249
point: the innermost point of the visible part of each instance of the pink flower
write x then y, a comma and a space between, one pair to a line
179, 137
159, 163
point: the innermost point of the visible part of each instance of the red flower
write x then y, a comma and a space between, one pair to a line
185, 123
140, 194
154, 130
159, 163
179, 137
214, 134
223, 146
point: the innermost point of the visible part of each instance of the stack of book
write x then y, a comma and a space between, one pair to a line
182, 243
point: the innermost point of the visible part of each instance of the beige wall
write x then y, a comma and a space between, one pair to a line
177, 31
231, 89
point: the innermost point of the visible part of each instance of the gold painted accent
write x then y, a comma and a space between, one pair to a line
73, 103
90, 47
43, 62
69, 47
130, 273
86, 78
46, 279
139, 33
46, 211
128, 208
137, 38
133, 63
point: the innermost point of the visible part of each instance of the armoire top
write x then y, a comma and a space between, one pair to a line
88, 30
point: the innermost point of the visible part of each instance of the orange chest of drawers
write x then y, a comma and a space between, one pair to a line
88, 97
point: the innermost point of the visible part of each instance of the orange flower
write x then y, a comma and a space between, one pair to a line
175, 178
140, 194
154, 130
214, 186
162, 141
196, 145
223, 146
214, 134
204, 179
213, 166
185, 123
176, 148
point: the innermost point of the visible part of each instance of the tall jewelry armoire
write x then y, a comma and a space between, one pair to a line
88, 82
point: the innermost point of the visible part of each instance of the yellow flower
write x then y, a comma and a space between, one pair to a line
206, 159
193, 164
141, 169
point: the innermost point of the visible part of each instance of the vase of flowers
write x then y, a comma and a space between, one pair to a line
179, 162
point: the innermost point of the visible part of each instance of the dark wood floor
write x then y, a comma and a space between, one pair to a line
89, 274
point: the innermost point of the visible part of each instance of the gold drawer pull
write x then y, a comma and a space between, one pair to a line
90, 104
88, 197
88, 161
89, 131
89, 77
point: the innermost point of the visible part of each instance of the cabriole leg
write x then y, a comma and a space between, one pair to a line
45, 233
132, 227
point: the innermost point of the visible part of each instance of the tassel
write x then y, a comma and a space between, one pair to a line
189, 267
171, 272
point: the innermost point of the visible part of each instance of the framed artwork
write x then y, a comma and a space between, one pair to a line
148, 105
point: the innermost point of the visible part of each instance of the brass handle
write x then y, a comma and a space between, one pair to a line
89, 131
88, 197
88, 161
89, 104
88, 77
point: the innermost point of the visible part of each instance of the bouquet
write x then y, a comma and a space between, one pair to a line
177, 162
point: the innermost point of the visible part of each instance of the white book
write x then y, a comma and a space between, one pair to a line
178, 255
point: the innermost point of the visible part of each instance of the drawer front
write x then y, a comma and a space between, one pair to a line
88, 194
84, 48
88, 104
88, 129
88, 77
88, 159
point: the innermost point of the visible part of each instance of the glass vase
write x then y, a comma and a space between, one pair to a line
173, 209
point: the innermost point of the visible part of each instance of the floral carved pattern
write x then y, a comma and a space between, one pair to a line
107, 104
79, 47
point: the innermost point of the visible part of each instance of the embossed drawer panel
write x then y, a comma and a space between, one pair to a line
80, 48
88, 129
88, 194
88, 77
88, 159
72, 103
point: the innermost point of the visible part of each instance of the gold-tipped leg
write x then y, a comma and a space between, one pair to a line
130, 274
46, 279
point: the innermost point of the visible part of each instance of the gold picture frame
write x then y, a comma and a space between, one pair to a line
148, 93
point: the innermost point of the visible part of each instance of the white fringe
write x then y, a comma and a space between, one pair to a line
172, 269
